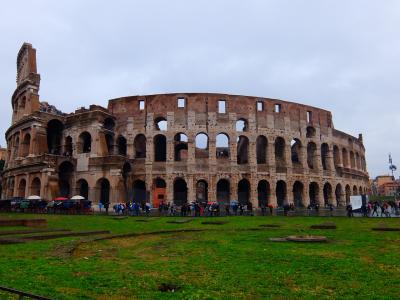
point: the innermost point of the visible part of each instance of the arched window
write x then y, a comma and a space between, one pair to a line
161, 124
110, 143
328, 196
180, 191
242, 150
338, 194
262, 147
85, 142
140, 146
160, 148
223, 191
348, 194
54, 136
181, 147
296, 152
312, 155
222, 145
244, 192
336, 156
242, 125
109, 124
82, 188
26, 145
313, 192
21, 188
324, 156
122, 145
264, 193
68, 146
281, 193
345, 158
310, 132
352, 160
202, 191
139, 191
298, 194
35, 187
103, 187
201, 150
280, 149
65, 172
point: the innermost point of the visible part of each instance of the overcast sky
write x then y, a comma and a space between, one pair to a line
343, 56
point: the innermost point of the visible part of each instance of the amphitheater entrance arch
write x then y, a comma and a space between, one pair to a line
338, 194
140, 146
313, 192
35, 187
22, 188
54, 134
160, 148
82, 187
103, 186
202, 191
159, 191
244, 191
222, 145
298, 194
348, 194
223, 191
328, 198
264, 193
139, 191
281, 193
65, 172
180, 191
262, 147
242, 150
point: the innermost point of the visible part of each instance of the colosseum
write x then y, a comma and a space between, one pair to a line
177, 148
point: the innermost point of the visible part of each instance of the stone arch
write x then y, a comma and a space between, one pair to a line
202, 191
336, 156
54, 135
310, 132
242, 125
103, 187
85, 142
358, 164
242, 150
223, 191
65, 173
160, 148
243, 191
328, 196
21, 188
296, 151
262, 149
82, 188
201, 145
222, 145
35, 187
139, 191
345, 158
16, 147
122, 145
312, 155
110, 143
298, 194
352, 160
159, 191
264, 193
325, 156
313, 192
68, 146
109, 124
281, 193
160, 123
348, 193
338, 194
26, 143
280, 145
139, 144
360, 190
180, 191
355, 190
180, 147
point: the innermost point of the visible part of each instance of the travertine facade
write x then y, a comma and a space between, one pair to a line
179, 147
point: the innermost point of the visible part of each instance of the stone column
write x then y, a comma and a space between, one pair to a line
271, 156
272, 200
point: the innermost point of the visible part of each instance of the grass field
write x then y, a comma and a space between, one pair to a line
231, 261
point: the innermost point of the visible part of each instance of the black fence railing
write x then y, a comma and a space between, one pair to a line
22, 295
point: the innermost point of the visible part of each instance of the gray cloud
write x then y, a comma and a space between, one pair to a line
342, 56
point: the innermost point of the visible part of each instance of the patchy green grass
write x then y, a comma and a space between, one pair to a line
229, 261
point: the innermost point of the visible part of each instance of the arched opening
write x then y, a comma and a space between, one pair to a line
180, 191
244, 191
280, 160
202, 191
110, 143
264, 193
328, 197
160, 148
68, 146
16, 147
223, 191
262, 147
352, 160
338, 194
242, 150
22, 188
159, 192
85, 142
82, 188
139, 191
358, 164
281, 193
181, 147
122, 145
35, 187
345, 158
54, 135
103, 186
360, 190
140, 146
201, 142
161, 124
296, 152
26, 143
65, 172
242, 125
336, 156
312, 155
222, 146
348, 194
310, 132
109, 124
313, 192
324, 156
355, 191
298, 194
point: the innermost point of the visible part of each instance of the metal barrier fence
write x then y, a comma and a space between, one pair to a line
22, 295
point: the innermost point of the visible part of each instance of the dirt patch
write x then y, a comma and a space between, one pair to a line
270, 225
28, 231
168, 287
327, 225
24, 222
180, 221
214, 222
